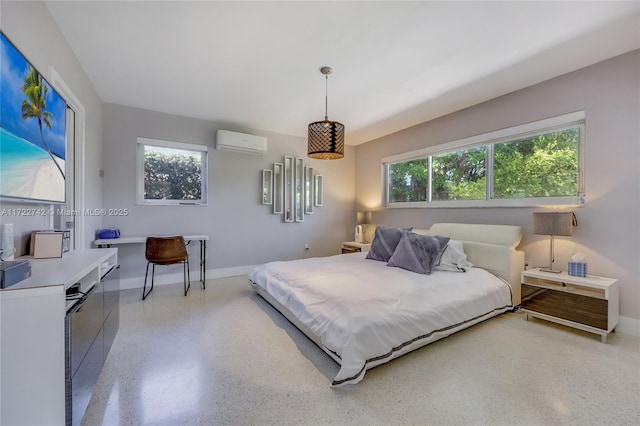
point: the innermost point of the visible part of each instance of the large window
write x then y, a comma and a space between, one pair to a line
171, 173
534, 164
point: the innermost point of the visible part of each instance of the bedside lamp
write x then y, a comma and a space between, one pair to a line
362, 218
553, 223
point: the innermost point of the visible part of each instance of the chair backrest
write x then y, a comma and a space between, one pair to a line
166, 250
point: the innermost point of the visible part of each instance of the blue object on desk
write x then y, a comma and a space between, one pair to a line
108, 233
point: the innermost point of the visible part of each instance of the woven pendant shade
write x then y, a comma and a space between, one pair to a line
326, 140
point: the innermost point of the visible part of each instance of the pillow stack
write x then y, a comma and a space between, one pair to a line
422, 254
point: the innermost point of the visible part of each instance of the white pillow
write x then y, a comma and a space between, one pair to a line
453, 258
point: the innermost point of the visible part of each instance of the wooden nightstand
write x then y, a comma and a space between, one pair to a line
589, 303
353, 247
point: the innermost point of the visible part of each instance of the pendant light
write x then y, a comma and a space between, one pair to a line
326, 138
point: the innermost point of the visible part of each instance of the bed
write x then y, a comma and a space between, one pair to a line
363, 313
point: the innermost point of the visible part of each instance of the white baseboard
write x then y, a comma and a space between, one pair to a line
138, 282
629, 326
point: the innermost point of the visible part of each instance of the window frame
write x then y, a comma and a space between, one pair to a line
144, 142
574, 119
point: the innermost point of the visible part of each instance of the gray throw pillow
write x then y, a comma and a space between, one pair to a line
384, 242
418, 253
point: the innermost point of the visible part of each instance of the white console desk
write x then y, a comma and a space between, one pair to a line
108, 242
32, 335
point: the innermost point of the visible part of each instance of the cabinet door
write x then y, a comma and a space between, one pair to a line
111, 286
86, 322
86, 378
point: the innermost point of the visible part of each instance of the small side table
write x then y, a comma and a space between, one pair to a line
590, 303
353, 247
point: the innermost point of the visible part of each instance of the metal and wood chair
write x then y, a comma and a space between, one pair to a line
166, 251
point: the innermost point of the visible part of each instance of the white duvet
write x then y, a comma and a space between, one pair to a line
364, 311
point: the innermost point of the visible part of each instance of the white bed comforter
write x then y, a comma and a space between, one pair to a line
364, 311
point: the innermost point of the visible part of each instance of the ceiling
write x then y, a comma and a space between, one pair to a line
255, 65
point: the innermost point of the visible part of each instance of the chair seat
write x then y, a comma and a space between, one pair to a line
167, 261
166, 251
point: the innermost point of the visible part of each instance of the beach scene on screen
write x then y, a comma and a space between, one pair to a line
32, 131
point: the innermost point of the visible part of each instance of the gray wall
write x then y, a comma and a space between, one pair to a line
608, 229
242, 230
30, 27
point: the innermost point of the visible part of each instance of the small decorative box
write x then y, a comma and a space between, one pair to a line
578, 269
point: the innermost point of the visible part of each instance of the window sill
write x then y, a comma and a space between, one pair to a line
171, 203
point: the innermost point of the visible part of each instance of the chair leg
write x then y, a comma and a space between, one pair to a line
186, 275
144, 292
204, 287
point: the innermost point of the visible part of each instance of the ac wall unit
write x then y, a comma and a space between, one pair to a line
241, 142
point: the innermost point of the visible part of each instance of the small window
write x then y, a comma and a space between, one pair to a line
171, 173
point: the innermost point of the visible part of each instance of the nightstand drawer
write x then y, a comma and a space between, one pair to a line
349, 249
578, 308
354, 247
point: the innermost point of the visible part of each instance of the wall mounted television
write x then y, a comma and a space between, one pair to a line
32, 132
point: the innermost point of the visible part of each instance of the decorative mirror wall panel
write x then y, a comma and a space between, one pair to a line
319, 189
292, 188
288, 189
278, 187
308, 190
267, 186
299, 190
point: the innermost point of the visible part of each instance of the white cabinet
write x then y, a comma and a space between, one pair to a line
32, 336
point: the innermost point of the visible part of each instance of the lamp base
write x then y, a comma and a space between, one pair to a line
550, 270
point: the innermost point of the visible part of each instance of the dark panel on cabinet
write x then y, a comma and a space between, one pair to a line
566, 305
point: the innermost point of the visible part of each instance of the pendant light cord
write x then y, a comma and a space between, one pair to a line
326, 97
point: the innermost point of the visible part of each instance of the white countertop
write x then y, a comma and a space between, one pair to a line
66, 270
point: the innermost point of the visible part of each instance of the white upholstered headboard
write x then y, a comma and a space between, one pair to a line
491, 247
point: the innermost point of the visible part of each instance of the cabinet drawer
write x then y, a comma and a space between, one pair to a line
563, 304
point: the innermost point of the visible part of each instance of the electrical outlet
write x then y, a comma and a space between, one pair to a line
306, 247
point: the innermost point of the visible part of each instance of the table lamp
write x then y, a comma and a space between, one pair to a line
553, 223
362, 218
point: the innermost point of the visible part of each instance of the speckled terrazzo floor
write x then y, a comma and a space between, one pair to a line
223, 356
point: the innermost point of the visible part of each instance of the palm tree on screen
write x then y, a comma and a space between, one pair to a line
34, 106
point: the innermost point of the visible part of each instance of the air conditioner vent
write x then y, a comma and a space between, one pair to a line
241, 142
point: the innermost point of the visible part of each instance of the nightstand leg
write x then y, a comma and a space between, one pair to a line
526, 317
604, 338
